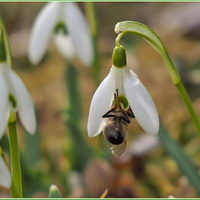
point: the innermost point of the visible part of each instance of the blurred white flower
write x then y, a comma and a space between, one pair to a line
5, 178
15, 97
75, 42
128, 84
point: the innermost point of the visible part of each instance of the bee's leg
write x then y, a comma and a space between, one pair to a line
130, 113
125, 117
106, 115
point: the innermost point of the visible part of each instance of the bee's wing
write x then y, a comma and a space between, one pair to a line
118, 150
104, 145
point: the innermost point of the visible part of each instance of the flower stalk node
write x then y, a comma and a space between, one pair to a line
119, 57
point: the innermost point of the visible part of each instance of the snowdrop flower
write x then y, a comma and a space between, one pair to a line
15, 97
72, 35
128, 84
5, 178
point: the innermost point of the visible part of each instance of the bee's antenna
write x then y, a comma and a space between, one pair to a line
117, 91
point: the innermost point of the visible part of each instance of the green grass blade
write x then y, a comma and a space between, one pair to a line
187, 167
80, 151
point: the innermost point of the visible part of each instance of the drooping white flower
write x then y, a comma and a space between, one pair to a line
5, 178
128, 84
15, 97
76, 42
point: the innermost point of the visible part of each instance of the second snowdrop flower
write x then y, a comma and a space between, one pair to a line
15, 97
65, 21
120, 97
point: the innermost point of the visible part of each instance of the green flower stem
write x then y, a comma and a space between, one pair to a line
2, 47
188, 103
16, 189
144, 31
92, 19
5, 45
182, 91
13, 191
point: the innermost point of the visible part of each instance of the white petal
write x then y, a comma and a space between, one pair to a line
41, 31
3, 103
64, 45
141, 103
24, 103
79, 31
101, 103
5, 178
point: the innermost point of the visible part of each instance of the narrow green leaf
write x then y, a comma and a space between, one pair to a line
5, 43
2, 47
80, 151
90, 12
187, 167
75, 109
31, 154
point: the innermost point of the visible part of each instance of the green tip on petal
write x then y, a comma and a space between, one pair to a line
60, 27
13, 101
123, 101
119, 57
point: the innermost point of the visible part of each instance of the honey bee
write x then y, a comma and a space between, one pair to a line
114, 134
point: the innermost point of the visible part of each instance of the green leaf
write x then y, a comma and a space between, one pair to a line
80, 151
90, 12
31, 154
2, 47
187, 167
74, 109
5, 47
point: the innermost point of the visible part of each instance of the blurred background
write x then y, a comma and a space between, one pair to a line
145, 169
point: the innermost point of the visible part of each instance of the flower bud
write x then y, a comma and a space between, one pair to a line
119, 57
54, 192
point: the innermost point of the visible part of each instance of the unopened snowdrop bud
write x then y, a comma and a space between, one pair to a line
119, 57
54, 192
